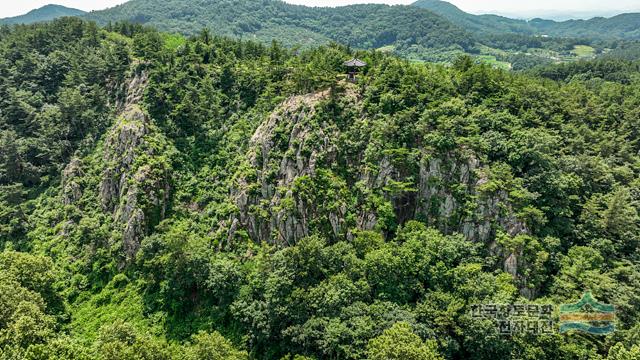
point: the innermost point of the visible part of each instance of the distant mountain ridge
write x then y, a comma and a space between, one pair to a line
301, 24
486, 23
561, 15
45, 13
361, 26
623, 26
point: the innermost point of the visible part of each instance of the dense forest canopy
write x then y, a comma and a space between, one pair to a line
360, 26
427, 31
436, 32
170, 197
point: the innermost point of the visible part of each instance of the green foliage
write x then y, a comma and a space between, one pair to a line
55, 85
28, 299
620, 352
399, 342
212, 347
370, 26
164, 197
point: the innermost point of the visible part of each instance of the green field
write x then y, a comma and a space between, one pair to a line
491, 60
388, 48
583, 51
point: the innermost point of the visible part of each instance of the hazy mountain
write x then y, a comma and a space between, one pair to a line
560, 15
625, 26
483, 23
45, 13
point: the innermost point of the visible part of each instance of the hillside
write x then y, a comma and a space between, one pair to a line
164, 198
624, 26
45, 13
360, 26
479, 23
416, 34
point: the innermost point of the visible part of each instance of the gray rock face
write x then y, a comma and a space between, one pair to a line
120, 152
133, 90
445, 186
441, 182
71, 188
134, 193
476, 214
290, 223
511, 265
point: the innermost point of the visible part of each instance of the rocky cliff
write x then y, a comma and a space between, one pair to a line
292, 185
129, 176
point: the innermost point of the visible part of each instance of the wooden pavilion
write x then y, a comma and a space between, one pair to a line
352, 68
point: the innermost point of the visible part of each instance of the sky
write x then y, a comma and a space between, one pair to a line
511, 7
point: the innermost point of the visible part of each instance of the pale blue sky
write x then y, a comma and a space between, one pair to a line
17, 7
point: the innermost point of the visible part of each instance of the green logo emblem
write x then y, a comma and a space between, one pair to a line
588, 315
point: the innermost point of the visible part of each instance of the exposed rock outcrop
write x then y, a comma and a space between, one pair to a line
71, 188
135, 192
447, 197
135, 185
293, 143
121, 146
293, 157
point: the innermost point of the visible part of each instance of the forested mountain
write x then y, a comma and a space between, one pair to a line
624, 26
164, 197
419, 35
45, 13
360, 26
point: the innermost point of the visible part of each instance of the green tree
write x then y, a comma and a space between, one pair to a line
400, 343
212, 346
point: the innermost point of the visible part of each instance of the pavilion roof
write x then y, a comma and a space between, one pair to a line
355, 63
